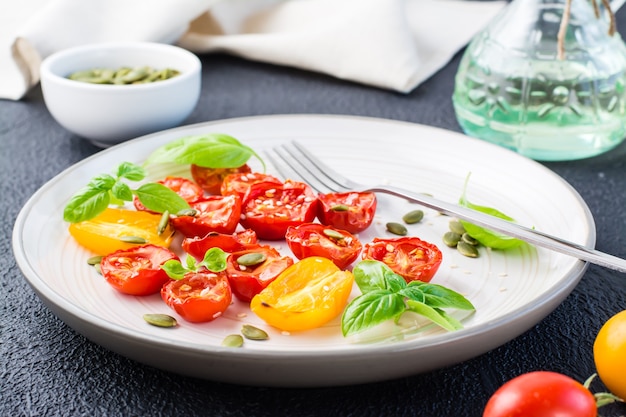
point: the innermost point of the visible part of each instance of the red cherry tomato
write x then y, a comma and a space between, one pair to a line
410, 257
270, 208
213, 214
541, 394
187, 189
210, 179
198, 246
350, 211
137, 270
199, 296
239, 183
262, 265
314, 239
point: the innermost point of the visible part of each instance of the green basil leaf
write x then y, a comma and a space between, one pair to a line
191, 263
102, 182
130, 171
214, 150
485, 236
373, 275
86, 204
438, 296
413, 292
157, 197
371, 309
174, 269
214, 260
435, 315
122, 191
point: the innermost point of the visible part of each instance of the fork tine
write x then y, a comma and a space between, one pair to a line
289, 167
321, 170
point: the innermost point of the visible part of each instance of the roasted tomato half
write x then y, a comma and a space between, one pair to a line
137, 271
270, 208
410, 257
212, 214
198, 246
350, 211
239, 183
314, 239
210, 179
250, 271
199, 296
187, 189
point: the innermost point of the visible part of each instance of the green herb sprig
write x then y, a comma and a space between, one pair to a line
105, 189
214, 260
386, 295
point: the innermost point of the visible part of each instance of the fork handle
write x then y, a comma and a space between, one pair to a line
510, 229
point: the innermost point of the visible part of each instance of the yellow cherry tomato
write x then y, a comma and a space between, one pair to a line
104, 233
304, 296
609, 353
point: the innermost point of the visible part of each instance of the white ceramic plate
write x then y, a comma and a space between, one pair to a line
511, 290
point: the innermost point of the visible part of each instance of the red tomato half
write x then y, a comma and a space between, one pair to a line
248, 280
187, 189
137, 271
410, 257
350, 211
199, 296
213, 214
210, 179
239, 183
270, 208
198, 246
541, 394
314, 239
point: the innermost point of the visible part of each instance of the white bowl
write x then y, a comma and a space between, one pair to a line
110, 114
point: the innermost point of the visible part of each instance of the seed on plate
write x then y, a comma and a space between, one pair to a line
252, 258
94, 260
456, 226
165, 220
468, 239
451, 239
253, 333
396, 228
333, 234
133, 239
233, 340
413, 217
160, 320
466, 249
340, 207
187, 212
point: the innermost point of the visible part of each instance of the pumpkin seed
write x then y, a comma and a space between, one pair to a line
451, 239
253, 333
457, 227
468, 239
123, 75
414, 216
252, 258
333, 234
160, 320
396, 229
466, 249
133, 239
165, 220
94, 260
340, 207
233, 340
187, 212
98, 269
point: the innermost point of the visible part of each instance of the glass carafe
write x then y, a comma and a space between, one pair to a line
513, 89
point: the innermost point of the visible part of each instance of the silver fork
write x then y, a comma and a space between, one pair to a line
294, 161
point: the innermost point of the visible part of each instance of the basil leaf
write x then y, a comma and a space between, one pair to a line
214, 260
130, 171
434, 314
122, 191
373, 275
174, 269
413, 292
371, 309
214, 150
101, 182
438, 296
157, 197
487, 237
86, 204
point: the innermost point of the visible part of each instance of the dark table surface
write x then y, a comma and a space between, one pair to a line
46, 368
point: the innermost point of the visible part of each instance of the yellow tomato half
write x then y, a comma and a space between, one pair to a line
304, 296
102, 234
609, 353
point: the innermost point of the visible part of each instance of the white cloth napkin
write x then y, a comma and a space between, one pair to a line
391, 44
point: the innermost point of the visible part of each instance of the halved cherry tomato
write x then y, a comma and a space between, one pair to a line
541, 394
314, 239
350, 211
410, 257
270, 208
137, 271
250, 271
198, 246
199, 296
214, 213
609, 354
187, 189
306, 295
105, 233
210, 179
239, 183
